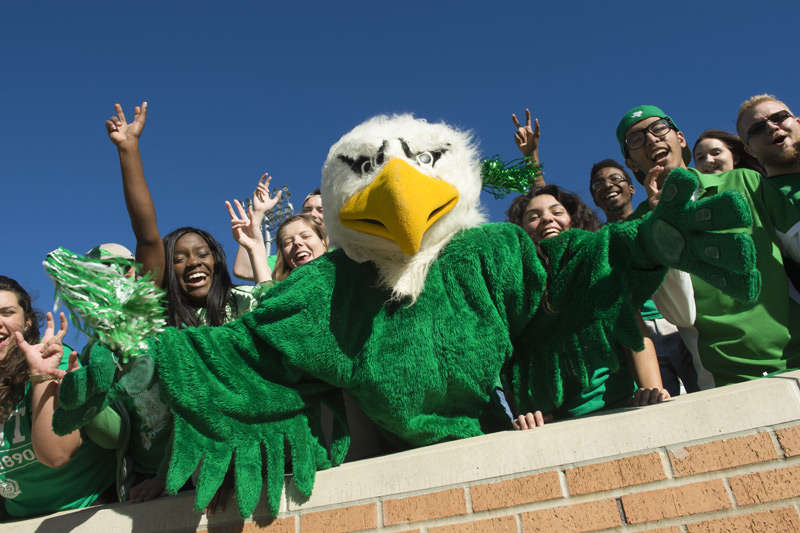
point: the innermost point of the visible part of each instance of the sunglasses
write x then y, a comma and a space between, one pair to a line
759, 127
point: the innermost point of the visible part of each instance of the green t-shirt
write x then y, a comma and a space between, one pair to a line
649, 311
735, 341
30, 488
789, 184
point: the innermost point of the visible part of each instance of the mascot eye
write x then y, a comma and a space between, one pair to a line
425, 158
366, 167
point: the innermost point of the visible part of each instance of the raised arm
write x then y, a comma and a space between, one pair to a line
243, 233
527, 140
142, 212
262, 202
43, 361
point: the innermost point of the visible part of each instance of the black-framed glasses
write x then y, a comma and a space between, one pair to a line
615, 179
659, 128
760, 126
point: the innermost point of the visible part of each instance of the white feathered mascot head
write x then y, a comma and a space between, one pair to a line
395, 190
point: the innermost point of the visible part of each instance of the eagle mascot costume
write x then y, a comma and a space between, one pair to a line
415, 314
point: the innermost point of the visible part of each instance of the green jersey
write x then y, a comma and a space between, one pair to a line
730, 341
30, 488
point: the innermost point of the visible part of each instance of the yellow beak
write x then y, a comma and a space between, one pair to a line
399, 205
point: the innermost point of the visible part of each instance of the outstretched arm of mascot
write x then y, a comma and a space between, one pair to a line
598, 281
235, 398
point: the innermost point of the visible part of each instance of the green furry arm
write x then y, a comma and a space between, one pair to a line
686, 235
239, 401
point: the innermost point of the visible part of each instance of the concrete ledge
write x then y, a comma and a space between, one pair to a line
694, 418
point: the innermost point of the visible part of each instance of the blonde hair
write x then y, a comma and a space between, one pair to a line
282, 267
752, 102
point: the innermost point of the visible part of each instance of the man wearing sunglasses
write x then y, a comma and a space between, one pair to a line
730, 341
771, 133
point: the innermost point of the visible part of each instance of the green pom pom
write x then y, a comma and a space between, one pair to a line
119, 312
501, 178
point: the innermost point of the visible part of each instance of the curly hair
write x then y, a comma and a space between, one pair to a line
14, 372
581, 215
741, 159
180, 312
282, 267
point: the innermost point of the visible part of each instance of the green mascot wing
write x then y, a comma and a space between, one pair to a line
238, 404
598, 282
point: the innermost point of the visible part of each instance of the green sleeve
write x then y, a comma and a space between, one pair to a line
597, 284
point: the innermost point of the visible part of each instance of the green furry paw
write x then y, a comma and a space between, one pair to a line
684, 235
83, 393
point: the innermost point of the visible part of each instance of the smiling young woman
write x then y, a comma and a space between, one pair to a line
40, 472
300, 239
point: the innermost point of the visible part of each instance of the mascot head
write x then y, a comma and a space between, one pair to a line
395, 190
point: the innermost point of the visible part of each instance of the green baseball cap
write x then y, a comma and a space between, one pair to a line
638, 114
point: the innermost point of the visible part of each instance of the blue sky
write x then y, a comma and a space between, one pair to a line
238, 90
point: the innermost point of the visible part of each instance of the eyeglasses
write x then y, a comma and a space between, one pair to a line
659, 128
615, 179
760, 126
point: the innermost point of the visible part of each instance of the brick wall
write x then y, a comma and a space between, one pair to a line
716, 461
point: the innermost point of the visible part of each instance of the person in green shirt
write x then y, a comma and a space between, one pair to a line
771, 133
40, 472
729, 340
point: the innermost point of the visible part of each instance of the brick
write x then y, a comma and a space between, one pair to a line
278, 525
776, 520
722, 454
342, 520
590, 516
790, 440
517, 491
673, 529
766, 486
502, 524
625, 472
675, 501
425, 507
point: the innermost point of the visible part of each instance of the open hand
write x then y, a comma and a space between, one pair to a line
242, 227
262, 202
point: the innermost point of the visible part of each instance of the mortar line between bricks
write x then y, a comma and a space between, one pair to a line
518, 518
621, 511
666, 464
775, 442
726, 482
468, 499
562, 479
380, 513
682, 521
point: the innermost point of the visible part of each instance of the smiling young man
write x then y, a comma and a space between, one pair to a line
612, 191
771, 133
730, 341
